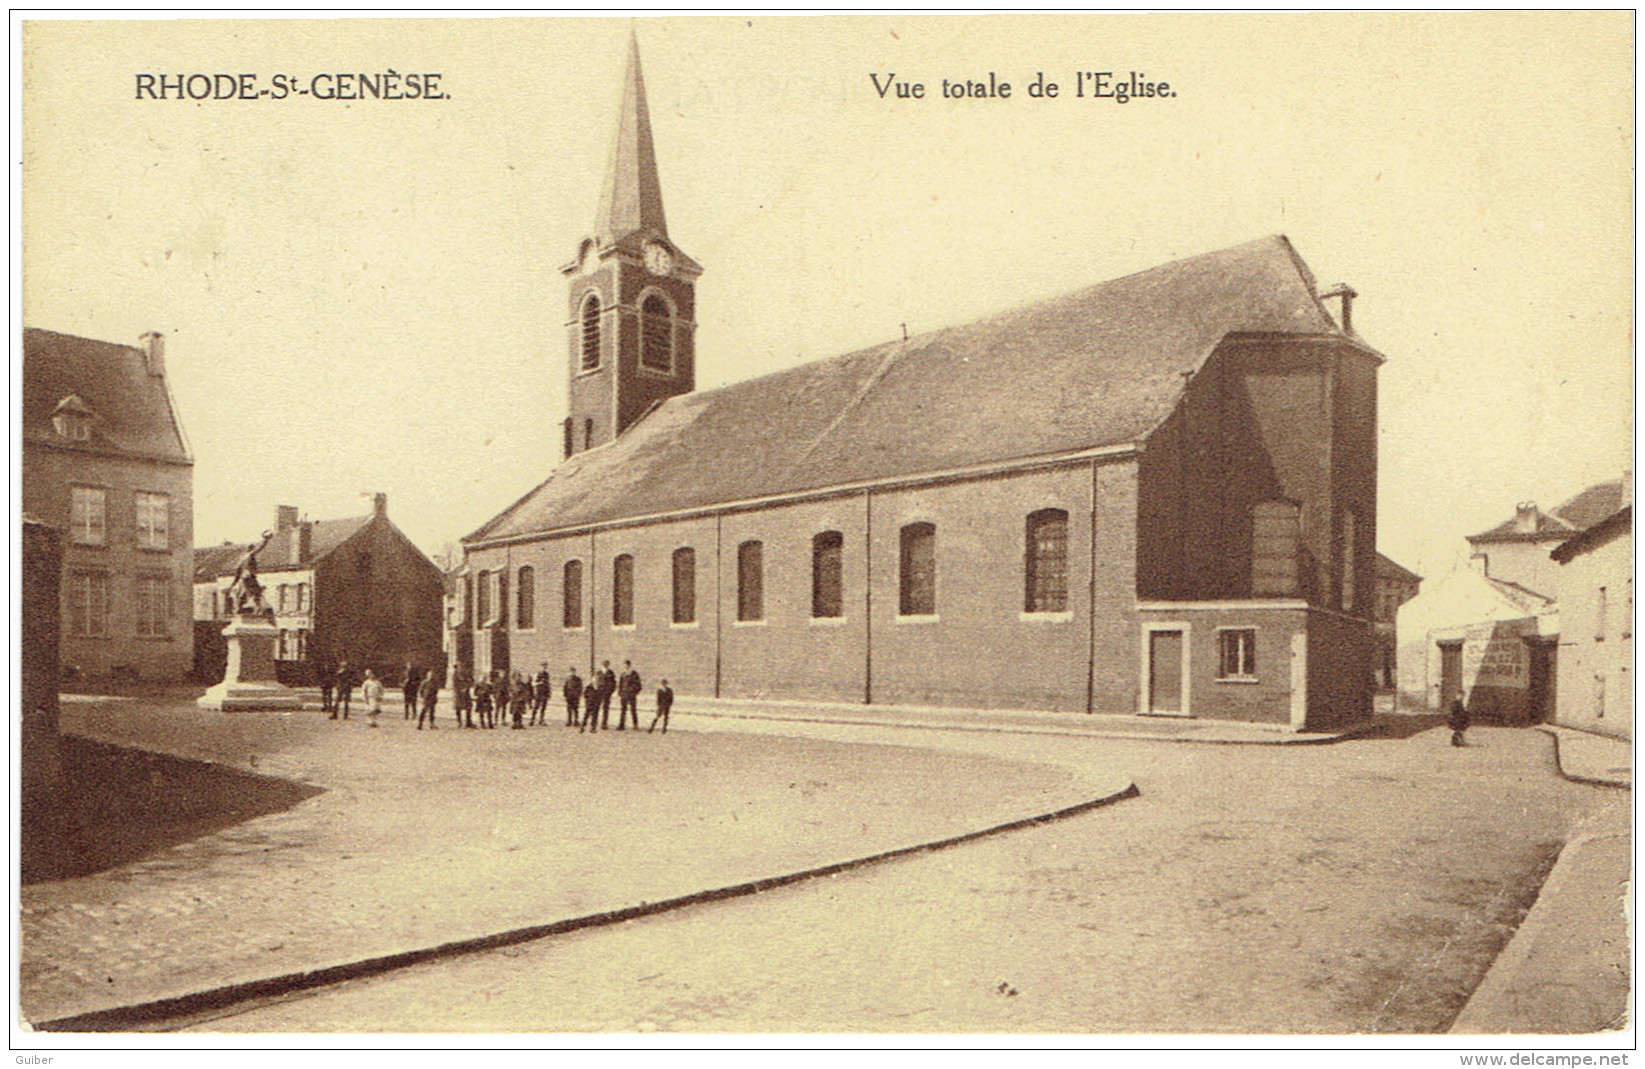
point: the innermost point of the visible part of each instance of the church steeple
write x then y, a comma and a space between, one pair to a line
633, 292
632, 199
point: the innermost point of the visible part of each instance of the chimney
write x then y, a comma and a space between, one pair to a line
285, 517
154, 353
1525, 517
1347, 293
302, 541
379, 504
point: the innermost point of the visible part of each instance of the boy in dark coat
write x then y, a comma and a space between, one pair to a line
1457, 722
665, 702
573, 697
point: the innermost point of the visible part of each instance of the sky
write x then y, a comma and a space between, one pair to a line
365, 296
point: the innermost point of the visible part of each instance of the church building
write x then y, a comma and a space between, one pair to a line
1179, 521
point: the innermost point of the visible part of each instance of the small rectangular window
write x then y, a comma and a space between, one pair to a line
87, 515
1237, 653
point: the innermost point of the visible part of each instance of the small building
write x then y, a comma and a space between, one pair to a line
1154, 495
353, 589
1396, 585
106, 463
1487, 641
1596, 629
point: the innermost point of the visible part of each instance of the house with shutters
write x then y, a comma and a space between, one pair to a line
354, 589
1155, 495
107, 464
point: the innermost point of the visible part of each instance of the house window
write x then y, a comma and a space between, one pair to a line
153, 606
571, 594
87, 522
482, 590
283, 603
750, 581
525, 611
826, 580
917, 589
1238, 653
502, 599
591, 333
75, 426
656, 334
1276, 530
153, 521
1045, 588
685, 585
1349, 560
302, 598
89, 604
622, 591
1599, 617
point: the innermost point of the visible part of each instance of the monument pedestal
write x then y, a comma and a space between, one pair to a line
248, 681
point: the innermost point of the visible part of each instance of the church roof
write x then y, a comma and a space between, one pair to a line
130, 407
1102, 366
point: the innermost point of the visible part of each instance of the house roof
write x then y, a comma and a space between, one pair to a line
1616, 524
1572, 517
131, 408
1388, 568
1098, 367
211, 562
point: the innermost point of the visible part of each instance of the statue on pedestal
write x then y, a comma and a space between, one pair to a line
245, 593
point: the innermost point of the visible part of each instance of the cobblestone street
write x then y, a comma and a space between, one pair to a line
424, 838
1360, 887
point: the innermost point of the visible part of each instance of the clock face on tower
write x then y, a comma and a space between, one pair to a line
658, 260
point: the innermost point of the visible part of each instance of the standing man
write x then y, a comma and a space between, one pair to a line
541, 690
431, 695
573, 692
408, 687
519, 698
628, 696
665, 702
591, 704
462, 697
345, 689
607, 680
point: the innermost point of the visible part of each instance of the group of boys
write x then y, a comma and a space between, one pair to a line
497, 699
588, 705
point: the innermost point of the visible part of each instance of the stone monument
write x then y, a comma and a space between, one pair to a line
248, 680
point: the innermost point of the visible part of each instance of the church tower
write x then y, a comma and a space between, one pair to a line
632, 315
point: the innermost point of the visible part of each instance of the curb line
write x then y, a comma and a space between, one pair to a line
1279, 739
1592, 781
124, 1018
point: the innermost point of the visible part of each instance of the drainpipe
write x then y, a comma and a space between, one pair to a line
868, 597
1091, 606
591, 582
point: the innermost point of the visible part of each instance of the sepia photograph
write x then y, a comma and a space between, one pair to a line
1089, 530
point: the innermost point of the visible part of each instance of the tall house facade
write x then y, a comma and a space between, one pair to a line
106, 463
631, 321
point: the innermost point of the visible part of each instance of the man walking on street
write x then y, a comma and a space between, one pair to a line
628, 696
665, 702
408, 687
573, 697
541, 690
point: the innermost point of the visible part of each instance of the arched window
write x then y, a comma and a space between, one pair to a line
591, 332
685, 585
482, 590
1045, 586
502, 599
656, 334
1276, 531
917, 588
571, 595
525, 615
588, 433
750, 581
622, 591
826, 550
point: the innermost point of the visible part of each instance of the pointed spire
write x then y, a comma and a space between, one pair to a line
633, 195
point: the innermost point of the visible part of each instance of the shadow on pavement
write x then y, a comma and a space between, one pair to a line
1400, 726
116, 805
